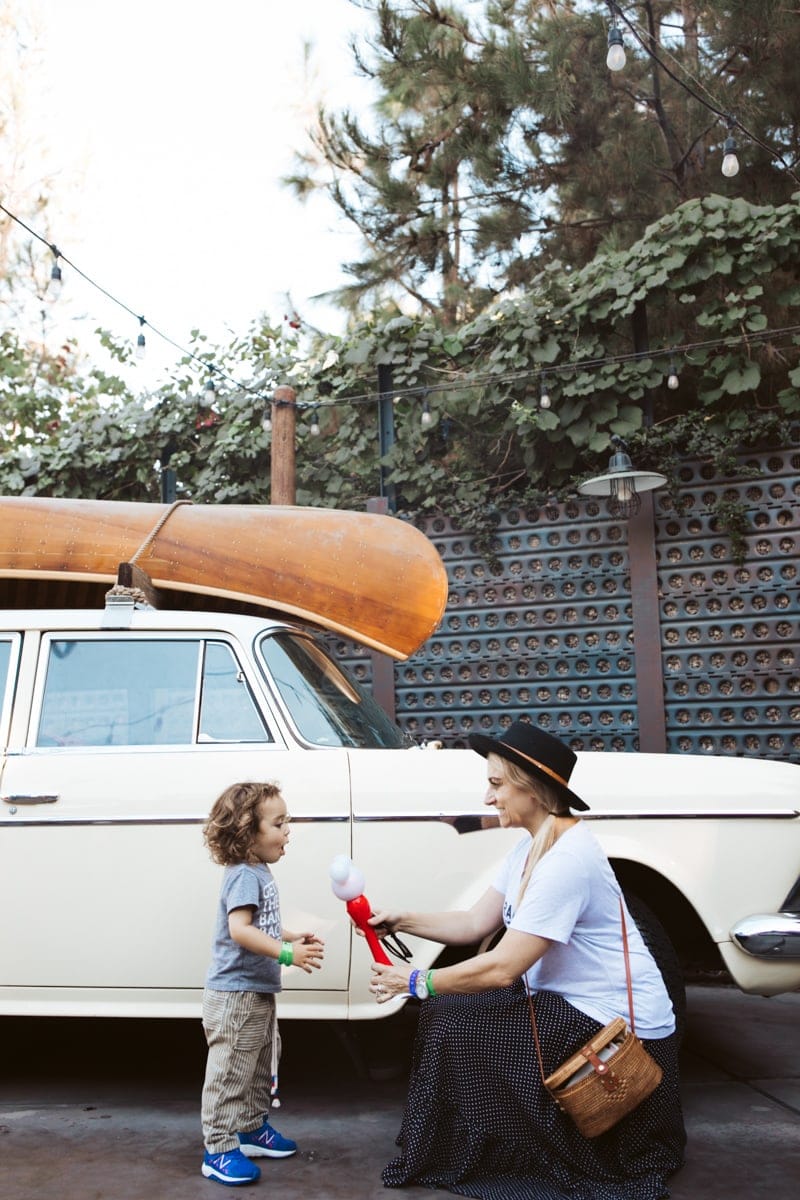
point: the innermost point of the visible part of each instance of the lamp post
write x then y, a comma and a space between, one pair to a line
621, 483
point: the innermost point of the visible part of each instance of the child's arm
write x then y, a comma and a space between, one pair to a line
306, 954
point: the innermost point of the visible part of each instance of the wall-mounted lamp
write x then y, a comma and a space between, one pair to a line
621, 484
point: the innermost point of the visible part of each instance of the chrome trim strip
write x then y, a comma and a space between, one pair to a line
459, 818
56, 821
461, 822
772, 935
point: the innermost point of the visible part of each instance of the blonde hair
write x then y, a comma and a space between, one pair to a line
232, 825
553, 803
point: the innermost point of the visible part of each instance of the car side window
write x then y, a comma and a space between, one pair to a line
5, 659
146, 692
228, 712
110, 692
5, 694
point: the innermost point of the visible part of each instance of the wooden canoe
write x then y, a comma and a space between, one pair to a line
370, 577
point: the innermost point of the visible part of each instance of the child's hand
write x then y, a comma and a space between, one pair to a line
308, 950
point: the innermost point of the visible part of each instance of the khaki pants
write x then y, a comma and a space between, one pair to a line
241, 1031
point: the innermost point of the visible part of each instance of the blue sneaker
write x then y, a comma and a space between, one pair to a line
231, 1168
266, 1142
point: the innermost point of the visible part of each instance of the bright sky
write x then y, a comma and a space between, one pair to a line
169, 124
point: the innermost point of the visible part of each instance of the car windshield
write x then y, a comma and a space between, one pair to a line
327, 708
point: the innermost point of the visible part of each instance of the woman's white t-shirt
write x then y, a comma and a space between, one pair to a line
572, 899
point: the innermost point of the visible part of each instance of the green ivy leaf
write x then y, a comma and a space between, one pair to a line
745, 380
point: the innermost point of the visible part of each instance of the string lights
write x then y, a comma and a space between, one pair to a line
209, 394
616, 61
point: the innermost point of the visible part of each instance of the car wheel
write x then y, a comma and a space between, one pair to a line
656, 939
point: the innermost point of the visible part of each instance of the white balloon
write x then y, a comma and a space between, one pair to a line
340, 868
350, 887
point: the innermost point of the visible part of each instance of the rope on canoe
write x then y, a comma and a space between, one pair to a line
159, 525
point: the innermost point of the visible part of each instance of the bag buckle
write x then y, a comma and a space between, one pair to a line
601, 1069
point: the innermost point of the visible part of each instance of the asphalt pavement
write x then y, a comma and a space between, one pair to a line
109, 1110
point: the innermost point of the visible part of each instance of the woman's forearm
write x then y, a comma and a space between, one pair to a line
451, 928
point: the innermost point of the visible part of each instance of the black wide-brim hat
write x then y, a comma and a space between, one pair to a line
537, 752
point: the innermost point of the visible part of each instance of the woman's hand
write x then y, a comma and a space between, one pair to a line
384, 922
388, 982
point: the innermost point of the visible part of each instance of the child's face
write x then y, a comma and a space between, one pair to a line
269, 844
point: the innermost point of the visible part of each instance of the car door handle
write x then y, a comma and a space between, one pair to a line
29, 799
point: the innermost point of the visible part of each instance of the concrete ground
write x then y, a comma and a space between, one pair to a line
109, 1110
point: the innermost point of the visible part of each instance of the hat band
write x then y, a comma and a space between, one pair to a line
536, 763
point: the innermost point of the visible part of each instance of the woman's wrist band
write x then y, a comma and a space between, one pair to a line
420, 984
286, 956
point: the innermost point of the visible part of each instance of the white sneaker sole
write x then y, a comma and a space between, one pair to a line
262, 1152
230, 1180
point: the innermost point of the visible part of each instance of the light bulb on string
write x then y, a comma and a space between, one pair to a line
140, 341
544, 395
209, 392
56, 278
266, 421
672, 378
426, 417
730, 163
615, 59
314, 426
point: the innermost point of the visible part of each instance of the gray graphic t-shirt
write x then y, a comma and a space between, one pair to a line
234, 969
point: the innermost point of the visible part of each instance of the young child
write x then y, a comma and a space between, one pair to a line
247, 829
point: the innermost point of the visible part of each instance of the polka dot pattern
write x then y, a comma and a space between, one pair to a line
479, 1122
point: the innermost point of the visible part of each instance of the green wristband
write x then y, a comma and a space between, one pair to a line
429, 983
286, 956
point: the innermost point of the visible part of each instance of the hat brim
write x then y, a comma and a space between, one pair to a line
485, 745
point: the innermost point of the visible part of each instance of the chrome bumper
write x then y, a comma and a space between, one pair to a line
773, 935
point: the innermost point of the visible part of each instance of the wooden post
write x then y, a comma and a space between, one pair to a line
386, 432
283, 489
647, 629
645, 599
382, 664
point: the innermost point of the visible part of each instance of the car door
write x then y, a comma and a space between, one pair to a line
131, 737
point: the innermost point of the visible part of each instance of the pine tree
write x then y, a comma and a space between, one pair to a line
501, 140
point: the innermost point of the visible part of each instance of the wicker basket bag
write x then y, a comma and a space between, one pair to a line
609, 1076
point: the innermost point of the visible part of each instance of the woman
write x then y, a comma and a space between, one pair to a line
478, 1120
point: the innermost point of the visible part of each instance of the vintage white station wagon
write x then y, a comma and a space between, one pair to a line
120, 727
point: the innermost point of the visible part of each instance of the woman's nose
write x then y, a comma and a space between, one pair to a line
489, 797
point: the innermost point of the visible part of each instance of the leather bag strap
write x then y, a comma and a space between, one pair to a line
626, 955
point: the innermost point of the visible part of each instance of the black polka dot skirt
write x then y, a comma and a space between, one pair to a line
479, 1122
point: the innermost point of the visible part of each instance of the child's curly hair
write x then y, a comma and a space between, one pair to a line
232, 825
